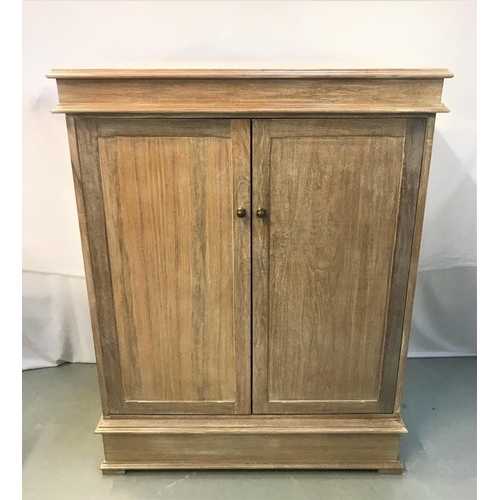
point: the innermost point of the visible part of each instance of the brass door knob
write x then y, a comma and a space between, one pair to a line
261, 213
241, 212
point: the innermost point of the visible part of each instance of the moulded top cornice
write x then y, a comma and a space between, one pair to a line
439, 73
249, 92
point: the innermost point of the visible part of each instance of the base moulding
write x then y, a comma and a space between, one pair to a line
252, 442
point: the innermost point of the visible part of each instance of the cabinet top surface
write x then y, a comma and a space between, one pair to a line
433, 73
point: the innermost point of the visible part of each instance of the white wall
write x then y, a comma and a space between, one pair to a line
287, 34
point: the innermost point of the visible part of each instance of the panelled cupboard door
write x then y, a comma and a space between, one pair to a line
331, 259
170, 261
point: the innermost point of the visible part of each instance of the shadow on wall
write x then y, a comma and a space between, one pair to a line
444, 315
445, 308
449, 236
56, 320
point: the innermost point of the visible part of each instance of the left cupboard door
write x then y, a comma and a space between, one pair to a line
167, 260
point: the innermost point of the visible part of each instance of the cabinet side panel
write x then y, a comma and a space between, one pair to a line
80, 204
414, 145
98, 262
415, 251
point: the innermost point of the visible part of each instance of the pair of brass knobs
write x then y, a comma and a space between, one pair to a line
241, 212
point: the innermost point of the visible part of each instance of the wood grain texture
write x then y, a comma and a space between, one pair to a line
215, 96
122, 467
161, 127
415, 251
243, 417
413, 153
314, 450
241, 159
321, 127
89, 278
120, 74
261, 147
171, 230
322, 264
258, 115
102, 291
252, 424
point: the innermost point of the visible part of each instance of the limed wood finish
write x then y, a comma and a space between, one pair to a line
194, 73
253, 442
412, 275
261, 442
245, 424
97, 259
253, 451
330, 261
176, 281
247, 92
414, 147
180, 288
84, 236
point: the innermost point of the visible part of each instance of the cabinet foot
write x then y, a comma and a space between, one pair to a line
112, 472
390, 471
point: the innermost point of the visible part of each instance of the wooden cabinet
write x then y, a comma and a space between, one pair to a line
251, 243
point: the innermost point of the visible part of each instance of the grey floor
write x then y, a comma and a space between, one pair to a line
61, 454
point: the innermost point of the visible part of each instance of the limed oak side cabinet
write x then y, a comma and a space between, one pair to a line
251, 242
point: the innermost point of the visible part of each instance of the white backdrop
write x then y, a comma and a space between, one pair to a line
272, 34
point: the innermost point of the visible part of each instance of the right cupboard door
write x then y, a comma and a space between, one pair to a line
330, 260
